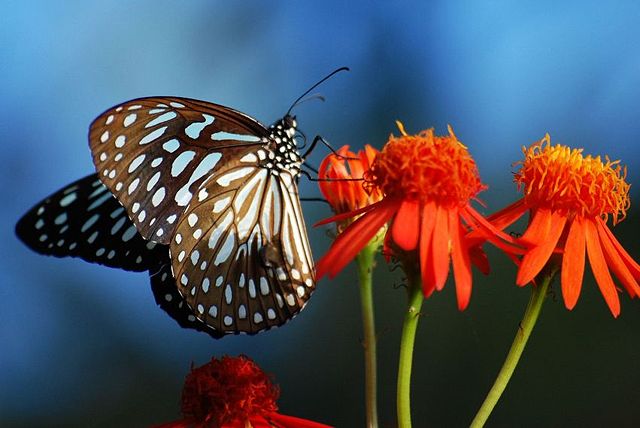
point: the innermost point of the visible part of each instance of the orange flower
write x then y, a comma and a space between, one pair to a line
233, 392
570, 198
341, 179
427, 182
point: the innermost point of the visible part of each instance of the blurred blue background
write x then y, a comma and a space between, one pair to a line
84, 345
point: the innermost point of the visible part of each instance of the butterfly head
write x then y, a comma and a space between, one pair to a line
283, 132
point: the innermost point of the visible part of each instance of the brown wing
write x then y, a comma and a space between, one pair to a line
153, 152
240, 255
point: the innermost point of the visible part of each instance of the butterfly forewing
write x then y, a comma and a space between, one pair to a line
240, 254
84, 220
152, 153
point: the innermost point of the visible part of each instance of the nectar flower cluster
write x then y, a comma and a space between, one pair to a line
428, 182
562, 179
426, 167
341, 176
570, 197
233, 392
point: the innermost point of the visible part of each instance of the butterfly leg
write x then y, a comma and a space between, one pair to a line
320, 139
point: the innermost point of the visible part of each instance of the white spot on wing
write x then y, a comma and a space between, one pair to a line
213, 311
134, 185
129, 233
227, 178
157, 198
68, 199
136, 163
152, 182
183, 195
90, 222
152, 136
221, 204
217, 232
181, 162
221, 135
226, 249
249, 157
171, 145
130, 119
192, 219
162, 118
194, 129
228, 294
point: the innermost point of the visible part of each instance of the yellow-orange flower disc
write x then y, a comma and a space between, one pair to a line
426, 167
562, 179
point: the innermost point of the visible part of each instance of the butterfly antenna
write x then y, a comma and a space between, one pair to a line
315, 86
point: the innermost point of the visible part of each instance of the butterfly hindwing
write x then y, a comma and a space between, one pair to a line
84, 220
169, 299
152, 153
240, 254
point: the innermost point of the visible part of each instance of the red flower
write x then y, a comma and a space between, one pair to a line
232, 392
341, 179
427, 182
570, 198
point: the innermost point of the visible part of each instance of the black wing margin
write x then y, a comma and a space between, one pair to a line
84, 220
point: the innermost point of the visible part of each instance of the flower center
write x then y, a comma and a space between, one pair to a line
229, 390
560, 178
425, 167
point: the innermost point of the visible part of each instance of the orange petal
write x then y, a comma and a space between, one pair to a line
285, 421
600, 269
538, 228
616, 263
508, 215
488, 232
350, 214
461, 261
479, 259
440, 247
552, 224
426, 262
631, 264
405, 225
501, 219
573, 263
358, 234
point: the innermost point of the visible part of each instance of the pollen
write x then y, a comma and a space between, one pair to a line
425, 167
563, 179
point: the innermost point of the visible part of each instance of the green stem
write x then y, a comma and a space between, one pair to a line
365, 272
407, 341
538, 293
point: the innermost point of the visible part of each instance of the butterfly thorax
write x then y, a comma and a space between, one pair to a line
281, 151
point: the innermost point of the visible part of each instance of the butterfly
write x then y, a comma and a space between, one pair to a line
202, 196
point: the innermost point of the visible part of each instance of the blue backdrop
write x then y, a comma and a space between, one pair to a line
86, 345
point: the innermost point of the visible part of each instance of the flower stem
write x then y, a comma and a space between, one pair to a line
406, 347
365, 262
538, 294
